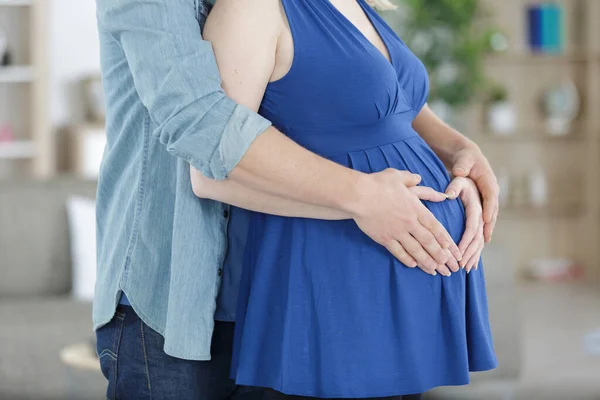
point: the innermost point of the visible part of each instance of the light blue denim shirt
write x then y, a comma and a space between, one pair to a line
166, 110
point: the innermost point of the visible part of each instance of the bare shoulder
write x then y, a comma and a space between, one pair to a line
251, 18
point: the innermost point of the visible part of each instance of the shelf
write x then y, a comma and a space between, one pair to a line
528, 136
564, 210
537, 59
16, 74
17, 150
15, 3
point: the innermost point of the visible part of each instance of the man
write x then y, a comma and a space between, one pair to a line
160, 249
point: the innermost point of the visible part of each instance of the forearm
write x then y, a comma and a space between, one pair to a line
276, 165
236, 194
444, 140
272, 164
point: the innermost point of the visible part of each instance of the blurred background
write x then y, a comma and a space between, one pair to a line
519, 77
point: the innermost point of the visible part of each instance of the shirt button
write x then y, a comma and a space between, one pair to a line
226, 213
220, 271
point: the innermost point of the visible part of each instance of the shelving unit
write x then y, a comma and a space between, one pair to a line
568, 226
23, 91
17, 74
17, 150
16, 3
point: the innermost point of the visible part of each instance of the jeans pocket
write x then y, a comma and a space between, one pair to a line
108, 339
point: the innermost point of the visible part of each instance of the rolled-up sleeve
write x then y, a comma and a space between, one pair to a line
176, 76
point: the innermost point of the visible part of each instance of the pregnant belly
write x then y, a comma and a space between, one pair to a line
335, 238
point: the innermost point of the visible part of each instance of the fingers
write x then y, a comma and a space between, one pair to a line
444, 271
472, 225
416, 251
451, 263
400, 253
408, 178
430, 244
473, 252
463, 166
488, 187
428, 194
473, 262
488, 229
470, 253
442, 236
456, 187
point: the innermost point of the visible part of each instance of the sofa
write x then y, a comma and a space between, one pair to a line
40, 318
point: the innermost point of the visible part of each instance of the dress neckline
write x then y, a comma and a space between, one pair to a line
368, 13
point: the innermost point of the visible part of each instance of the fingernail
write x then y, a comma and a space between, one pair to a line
434, 274
448, 275
451, 194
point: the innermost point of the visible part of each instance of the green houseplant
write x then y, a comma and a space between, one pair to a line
451, 39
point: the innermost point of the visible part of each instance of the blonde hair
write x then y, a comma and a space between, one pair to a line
382, 5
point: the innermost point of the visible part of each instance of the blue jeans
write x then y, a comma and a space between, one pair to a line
132, 359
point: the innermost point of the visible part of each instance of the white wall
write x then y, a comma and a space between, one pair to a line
73, 54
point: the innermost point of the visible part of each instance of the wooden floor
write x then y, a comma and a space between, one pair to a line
556, 319
555, 363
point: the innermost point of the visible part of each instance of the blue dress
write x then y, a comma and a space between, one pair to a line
323, 310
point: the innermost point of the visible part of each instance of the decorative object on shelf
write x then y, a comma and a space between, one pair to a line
86, 148
7, 134
538, 188
94, 98
554, 270
546, 28
560, 105
498, 42
4, 53
501, 113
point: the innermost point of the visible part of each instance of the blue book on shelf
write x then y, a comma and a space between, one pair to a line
534, 19
551, 28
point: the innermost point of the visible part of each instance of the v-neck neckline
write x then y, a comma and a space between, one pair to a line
353, 27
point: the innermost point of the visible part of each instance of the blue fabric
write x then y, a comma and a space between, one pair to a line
165, 109
124, 301
232, 267
136, 367
324, 311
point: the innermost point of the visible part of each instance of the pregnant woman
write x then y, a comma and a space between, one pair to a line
324, 311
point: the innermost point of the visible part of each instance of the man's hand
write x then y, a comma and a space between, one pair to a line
470, 162
391, 213
472, 242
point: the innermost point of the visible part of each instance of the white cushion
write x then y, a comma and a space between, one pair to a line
82, 231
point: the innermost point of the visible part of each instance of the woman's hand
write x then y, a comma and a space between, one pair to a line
429, 194
463, 158
469, 162
472, 242
418, 238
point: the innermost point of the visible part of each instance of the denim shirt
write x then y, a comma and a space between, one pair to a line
166, 110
